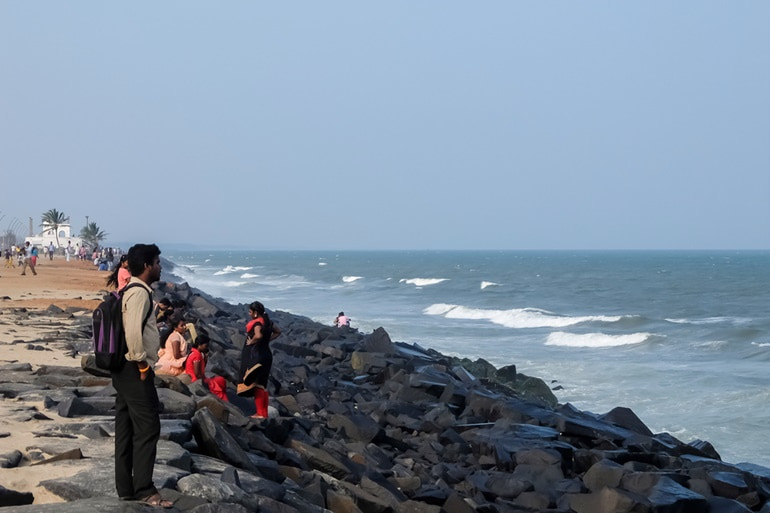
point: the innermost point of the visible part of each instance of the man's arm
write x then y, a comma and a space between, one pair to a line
135, 304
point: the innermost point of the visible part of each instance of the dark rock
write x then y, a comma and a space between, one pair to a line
98, 481
215, 490
705, 448
506, 374
625, 418
666, 494
320, 459
498, 484
174, 455
368, 363
14, 498
722, 505
76, 407
214, 440
604, 474
586, 426
456, 504
175, 405
176, 430
360, 428
727, 484
378, 342
607, 500
10, 459
532, 501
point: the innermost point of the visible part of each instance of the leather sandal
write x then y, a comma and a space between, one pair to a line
156, 501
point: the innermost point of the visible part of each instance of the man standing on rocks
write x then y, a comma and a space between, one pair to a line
137, 407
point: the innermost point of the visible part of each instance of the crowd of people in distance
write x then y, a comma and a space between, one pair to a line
26, 255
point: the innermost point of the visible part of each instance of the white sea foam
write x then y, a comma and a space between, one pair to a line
515, 318
233, 283
710, 320
246, 276
564, 339
422, 282
322, 263
351, 279
485, 284
232, 269
711, 344
761, 344
286, 281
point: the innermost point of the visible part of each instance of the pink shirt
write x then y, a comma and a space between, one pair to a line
124, 276
167, 364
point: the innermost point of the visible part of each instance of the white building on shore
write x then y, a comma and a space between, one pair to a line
48, 235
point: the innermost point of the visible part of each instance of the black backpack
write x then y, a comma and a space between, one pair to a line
108, 335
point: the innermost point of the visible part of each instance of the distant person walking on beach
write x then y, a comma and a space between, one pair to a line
29, 259
68, 251
8, 259
51, 251
256, 358
137, 407
341, 320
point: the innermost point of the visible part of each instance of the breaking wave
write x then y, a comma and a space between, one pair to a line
561, 338
516, 317
232, 269
422, 282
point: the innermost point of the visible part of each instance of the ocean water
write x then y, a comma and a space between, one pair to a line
681, 338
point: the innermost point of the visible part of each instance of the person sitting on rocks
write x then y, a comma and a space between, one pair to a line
195, 368
341, 320
163, 312
173, 351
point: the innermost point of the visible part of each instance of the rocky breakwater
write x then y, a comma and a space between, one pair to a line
362, 424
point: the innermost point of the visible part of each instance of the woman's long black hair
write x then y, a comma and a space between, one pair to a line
112, 279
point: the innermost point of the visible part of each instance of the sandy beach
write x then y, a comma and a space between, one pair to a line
61, 283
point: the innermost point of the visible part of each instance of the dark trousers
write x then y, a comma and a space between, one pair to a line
137, 430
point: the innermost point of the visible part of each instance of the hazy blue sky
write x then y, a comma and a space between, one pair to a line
391, 125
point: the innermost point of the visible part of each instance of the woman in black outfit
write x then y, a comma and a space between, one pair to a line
256, 357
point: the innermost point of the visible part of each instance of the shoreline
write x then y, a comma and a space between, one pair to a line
76, 286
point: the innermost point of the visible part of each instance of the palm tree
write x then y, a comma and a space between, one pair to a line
53, 219
92, 234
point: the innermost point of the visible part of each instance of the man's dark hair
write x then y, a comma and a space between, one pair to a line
140, 255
